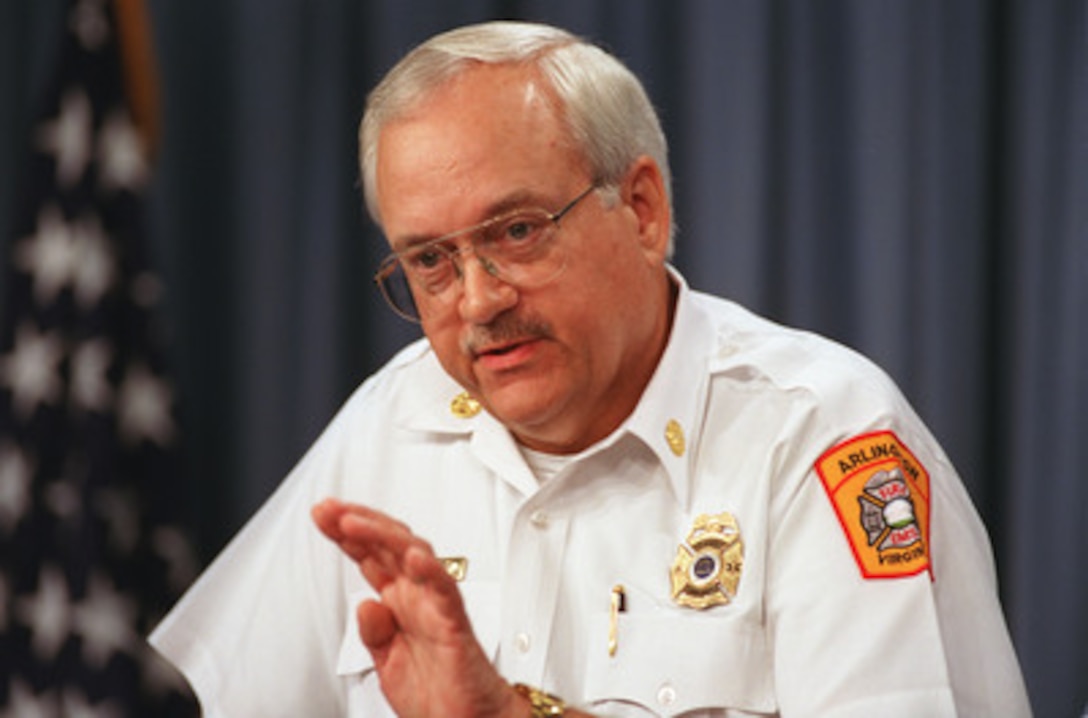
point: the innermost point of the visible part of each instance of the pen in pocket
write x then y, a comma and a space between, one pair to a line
618, 604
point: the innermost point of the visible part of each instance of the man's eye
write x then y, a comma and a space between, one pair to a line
425, 259
520, 229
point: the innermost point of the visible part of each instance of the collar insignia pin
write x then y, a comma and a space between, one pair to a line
674, 437
464, 406
707, 568
456, 567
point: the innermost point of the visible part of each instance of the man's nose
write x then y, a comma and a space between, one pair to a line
484, 294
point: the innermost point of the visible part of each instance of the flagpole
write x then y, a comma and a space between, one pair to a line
140, 69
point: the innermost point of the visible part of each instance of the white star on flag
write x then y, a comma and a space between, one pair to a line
47, 613
15, 476
69, 137
49, 255
122, 161
144, 407
89, 386
95, 270
62, 253
31, 370
104, 618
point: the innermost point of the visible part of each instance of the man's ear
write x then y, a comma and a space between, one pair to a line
644, 193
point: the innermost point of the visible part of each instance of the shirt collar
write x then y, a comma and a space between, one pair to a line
667, 417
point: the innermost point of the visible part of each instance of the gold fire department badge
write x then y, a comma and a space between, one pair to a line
707, 568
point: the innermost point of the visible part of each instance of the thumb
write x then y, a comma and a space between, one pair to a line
377, 626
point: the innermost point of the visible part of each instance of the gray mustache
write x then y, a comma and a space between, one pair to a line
504, 329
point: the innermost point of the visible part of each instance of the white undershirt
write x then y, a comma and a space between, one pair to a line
546, 466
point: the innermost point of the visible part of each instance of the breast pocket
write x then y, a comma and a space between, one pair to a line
356, 667
671, 662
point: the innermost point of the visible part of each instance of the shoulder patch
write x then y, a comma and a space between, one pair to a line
880, 492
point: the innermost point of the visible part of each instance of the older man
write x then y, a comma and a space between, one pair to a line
637, 499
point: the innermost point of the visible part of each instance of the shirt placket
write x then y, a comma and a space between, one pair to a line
531, 588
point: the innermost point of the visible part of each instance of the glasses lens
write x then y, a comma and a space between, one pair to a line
394, 285
520, 248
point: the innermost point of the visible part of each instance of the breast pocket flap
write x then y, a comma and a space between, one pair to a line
675, 661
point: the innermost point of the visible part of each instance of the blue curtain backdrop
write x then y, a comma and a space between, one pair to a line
907, 176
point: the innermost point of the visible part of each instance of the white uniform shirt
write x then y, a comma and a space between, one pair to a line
268, 630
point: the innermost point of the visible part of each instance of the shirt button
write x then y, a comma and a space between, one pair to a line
539, 519
666, 695
522, 643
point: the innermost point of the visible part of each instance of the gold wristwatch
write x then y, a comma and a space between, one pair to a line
544, 705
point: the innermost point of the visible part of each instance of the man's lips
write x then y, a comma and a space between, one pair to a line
507, 354
499, 349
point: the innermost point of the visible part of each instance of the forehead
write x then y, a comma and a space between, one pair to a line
490, 132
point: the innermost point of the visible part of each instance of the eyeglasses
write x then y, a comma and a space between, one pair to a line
516, 247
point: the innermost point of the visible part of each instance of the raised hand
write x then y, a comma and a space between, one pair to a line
426, 655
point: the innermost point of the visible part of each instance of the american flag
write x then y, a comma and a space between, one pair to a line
90, 551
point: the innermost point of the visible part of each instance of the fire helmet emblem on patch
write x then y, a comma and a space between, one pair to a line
887, 511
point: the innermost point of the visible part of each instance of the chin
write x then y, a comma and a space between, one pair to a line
527, 414
521, 419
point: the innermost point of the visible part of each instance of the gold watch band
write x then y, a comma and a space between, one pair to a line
543, 705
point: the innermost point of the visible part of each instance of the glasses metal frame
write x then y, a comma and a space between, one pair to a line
388, 267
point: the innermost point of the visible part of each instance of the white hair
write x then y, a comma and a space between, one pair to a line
604, 106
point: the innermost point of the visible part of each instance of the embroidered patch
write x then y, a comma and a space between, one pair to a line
880, 492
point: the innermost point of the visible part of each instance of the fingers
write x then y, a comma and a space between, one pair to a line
356, 528
371, 528
329, 514
383, 547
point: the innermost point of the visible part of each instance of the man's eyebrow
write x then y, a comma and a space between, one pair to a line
518, 199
